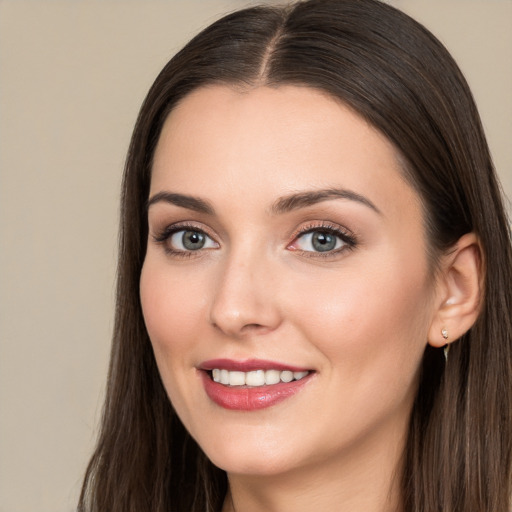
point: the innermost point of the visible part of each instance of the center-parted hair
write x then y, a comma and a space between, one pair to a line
396, 75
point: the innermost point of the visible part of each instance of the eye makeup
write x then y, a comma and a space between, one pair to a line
326, 239
315, 239
194, 241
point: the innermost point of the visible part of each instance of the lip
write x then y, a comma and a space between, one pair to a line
242, 398
248, 365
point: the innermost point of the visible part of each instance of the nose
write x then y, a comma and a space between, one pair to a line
244, 302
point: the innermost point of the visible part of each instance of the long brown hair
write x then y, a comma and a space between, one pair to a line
398, 76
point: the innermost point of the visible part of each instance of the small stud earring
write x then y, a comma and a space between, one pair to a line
444, 334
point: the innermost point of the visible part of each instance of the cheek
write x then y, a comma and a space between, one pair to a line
371, 320
171, 309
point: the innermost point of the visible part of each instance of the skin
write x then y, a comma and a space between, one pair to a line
358, 316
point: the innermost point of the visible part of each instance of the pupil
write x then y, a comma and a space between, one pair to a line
323, 242
193, 240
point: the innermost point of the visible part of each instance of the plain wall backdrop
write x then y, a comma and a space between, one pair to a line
72, 77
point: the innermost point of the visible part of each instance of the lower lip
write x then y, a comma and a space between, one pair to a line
240, 398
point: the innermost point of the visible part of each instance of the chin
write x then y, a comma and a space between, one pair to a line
257, 457
255, 465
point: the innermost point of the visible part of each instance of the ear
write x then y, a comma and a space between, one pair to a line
459, 290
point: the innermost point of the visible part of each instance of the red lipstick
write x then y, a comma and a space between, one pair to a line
250, 398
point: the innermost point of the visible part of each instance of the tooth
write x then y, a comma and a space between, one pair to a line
236, 378
286, 376
224, 377
272, 377
255, 378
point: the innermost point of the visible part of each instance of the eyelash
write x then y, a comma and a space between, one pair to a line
348, 239
163, 236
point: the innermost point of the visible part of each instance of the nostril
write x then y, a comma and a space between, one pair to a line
254, 328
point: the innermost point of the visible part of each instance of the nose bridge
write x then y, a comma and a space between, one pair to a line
243, 300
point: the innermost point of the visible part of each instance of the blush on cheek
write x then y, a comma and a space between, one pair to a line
357, 322
170, 317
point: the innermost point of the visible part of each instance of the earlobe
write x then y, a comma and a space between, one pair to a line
459, 291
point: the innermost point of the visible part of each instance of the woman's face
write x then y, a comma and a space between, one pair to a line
284, 244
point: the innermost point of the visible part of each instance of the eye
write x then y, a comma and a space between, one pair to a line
190, 240
183, 240
319, 241
322, 240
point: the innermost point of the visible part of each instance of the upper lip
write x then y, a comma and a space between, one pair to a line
248, 365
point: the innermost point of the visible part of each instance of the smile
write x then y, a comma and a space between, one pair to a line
255, 378
251, 385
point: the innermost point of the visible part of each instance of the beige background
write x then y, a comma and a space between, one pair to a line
73, 75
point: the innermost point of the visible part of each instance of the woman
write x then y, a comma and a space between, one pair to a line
310, 219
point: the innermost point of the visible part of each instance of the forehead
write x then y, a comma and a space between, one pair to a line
266, 141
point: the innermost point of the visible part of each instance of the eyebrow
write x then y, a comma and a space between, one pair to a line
182, 200
310, 198
282, 205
